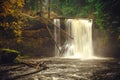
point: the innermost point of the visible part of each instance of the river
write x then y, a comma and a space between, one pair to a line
64, 69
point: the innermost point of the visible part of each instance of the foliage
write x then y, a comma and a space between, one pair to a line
98, 10
11, 19
95, 11
68, 7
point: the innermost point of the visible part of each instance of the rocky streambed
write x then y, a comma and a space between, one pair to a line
62, 69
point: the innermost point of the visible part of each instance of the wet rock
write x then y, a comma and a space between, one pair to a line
8, 55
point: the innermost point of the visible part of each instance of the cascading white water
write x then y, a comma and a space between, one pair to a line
57, 36
81, 45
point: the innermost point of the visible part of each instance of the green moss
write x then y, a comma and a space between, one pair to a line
9, 50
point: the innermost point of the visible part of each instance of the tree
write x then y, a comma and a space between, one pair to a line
98, 10
11, 19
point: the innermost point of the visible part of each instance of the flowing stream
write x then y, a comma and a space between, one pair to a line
63, 69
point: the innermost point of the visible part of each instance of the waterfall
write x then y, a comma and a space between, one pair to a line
57, 36
81, 44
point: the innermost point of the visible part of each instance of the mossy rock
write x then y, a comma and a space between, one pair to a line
8, 55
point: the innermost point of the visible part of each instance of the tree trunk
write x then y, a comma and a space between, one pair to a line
49, 9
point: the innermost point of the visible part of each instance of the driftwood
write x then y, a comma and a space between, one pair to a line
49, 21
61, 29
36, 65
39, 66
64, 17
53, 38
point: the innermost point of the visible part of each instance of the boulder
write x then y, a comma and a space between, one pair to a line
8, 55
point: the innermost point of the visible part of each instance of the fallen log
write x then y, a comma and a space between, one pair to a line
53, 38
36, 65
61, 29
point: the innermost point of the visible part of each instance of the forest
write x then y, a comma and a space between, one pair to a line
25, 20
27, 32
